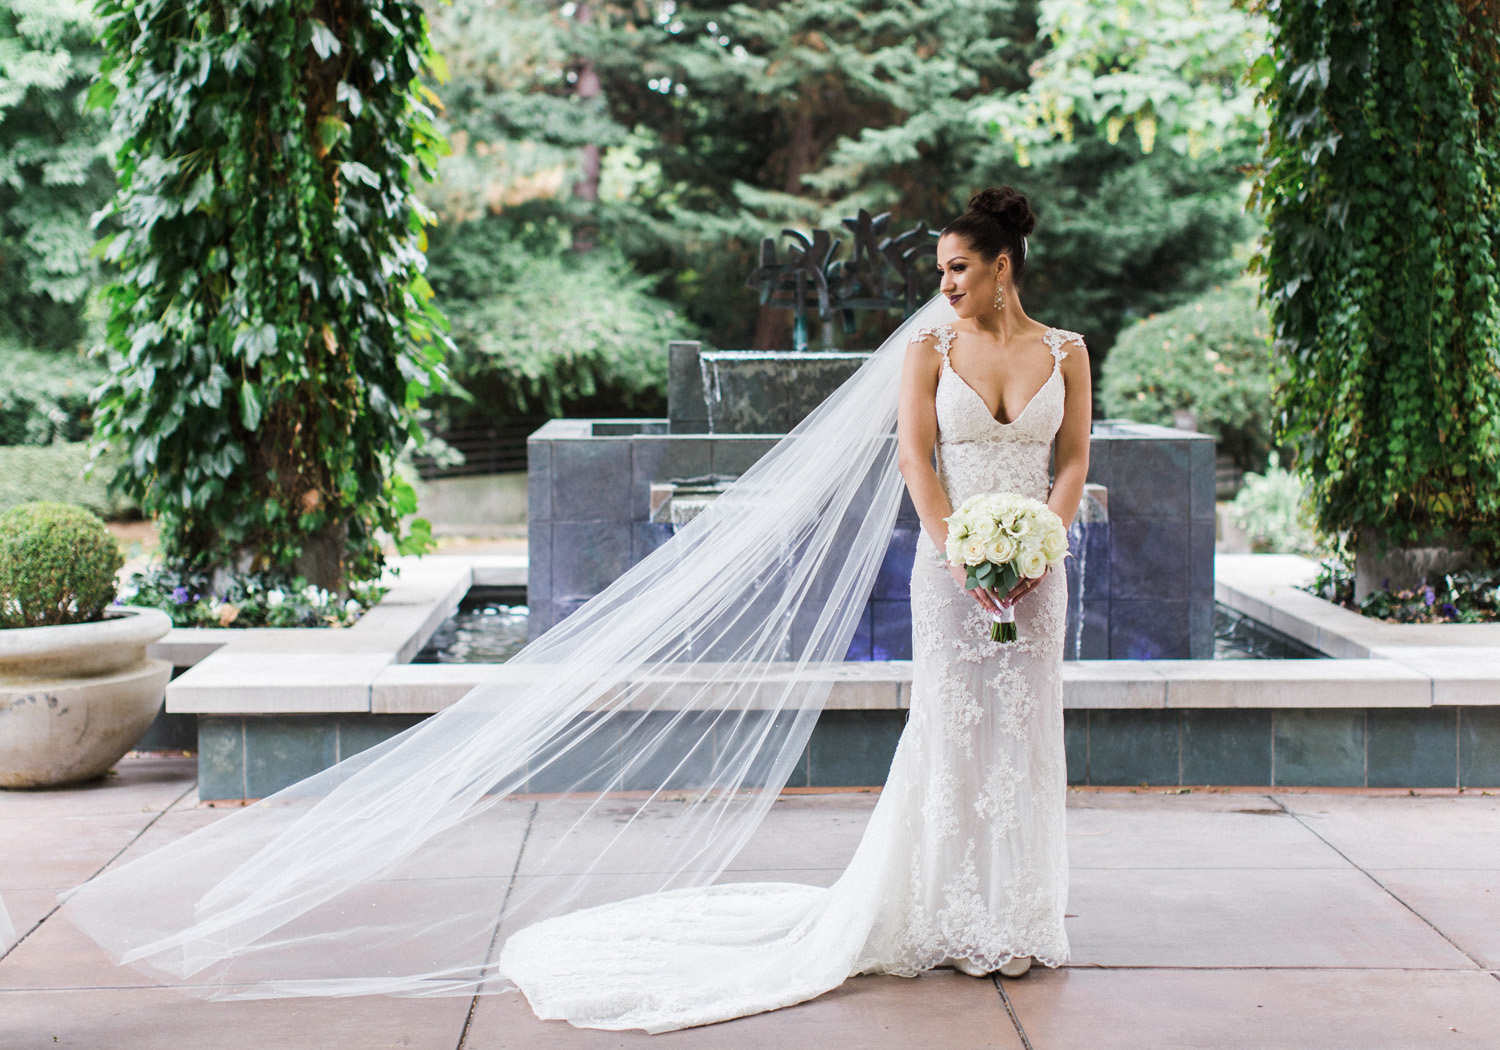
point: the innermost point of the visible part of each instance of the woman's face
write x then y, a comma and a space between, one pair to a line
966, 279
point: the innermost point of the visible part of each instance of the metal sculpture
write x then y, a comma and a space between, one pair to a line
882, 273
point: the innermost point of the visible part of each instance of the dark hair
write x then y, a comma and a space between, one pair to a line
997, 222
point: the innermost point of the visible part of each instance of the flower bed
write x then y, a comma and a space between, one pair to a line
193, 600
1460, 597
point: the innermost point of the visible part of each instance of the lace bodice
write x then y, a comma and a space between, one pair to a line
975, 451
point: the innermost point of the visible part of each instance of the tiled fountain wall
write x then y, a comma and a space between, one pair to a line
1149, 590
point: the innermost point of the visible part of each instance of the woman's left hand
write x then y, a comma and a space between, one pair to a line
1020, 590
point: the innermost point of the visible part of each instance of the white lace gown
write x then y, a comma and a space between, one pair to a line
964, 856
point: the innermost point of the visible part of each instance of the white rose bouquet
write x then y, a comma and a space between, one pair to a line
1003, 538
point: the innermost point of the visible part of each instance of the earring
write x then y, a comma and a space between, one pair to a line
999, 298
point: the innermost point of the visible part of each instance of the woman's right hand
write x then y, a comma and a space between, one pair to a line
987, 599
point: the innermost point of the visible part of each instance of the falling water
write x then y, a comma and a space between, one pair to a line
1077, 541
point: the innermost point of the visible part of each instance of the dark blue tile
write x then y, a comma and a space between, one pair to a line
670, 749
361, 732
1412, 747
660, 459
538, 562
1226, 746
853, 748
1133, 747
283, 749
1202, 505
1201, 559
221, 757
538, 481
1076, 745
1101, 452
859, 645
1479, 747
583, 757
890, 635
1092, 642
1319, 748
1148, 559
169, 732
893, 580
1201, 630
1150, 480
685, 405
591, 479
1149, 630
587, 557
645, 538
732, 456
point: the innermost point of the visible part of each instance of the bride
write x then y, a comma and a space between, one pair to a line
564, 828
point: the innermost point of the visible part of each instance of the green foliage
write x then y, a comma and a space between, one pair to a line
54, 170
271, 331
1272, 509
722, 123
196, 599
44, 396
538, 326
57, 565
1212, 356
1381, 185
1460, 597
61, 473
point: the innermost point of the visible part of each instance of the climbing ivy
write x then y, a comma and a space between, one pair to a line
271, 331
1381, 187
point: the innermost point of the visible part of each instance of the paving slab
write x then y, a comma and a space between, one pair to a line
1406, 831
1463, 903
941, 1009
1190, 831
1075, 1009
1241, 917
166, 1019
136, 785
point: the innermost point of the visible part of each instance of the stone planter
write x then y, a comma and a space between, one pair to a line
75, 698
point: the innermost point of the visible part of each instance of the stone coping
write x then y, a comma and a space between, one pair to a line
366, 668
1461, 661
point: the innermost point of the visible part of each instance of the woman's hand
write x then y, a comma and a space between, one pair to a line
1025, 587
988, 600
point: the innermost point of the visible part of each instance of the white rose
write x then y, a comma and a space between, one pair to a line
986, 529
973, 551
1033, 565
1001, 549
1055, 545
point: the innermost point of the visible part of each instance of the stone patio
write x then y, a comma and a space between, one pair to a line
1200, 921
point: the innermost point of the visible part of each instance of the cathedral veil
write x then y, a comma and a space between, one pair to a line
633, 748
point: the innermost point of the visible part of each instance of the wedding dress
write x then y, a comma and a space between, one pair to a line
964, 857
565, 827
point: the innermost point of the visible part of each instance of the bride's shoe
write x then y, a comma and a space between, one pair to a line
1016, 967
970, 967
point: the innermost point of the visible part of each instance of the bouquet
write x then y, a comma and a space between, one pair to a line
1002, 538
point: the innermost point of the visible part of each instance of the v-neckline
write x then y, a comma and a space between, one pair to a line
1056, 362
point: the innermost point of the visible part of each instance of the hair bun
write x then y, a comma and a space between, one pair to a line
1007, 206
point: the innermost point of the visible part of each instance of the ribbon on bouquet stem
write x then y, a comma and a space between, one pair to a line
1003, 624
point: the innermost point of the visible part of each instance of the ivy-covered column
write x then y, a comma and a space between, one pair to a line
271, 330
1381, 184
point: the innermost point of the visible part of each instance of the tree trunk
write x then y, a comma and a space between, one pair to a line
773, 325
1378, 567
586, 231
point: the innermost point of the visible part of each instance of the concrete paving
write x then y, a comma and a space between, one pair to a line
1200, 921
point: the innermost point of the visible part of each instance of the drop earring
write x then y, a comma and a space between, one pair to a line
999, 298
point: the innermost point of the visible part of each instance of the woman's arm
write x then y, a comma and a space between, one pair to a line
916, 437
1071, 451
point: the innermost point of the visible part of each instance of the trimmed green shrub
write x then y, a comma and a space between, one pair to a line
57, 565
1211, 356
44, 396
57, 473
1272, 508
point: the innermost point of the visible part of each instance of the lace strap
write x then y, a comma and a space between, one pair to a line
1055, 338
943, 333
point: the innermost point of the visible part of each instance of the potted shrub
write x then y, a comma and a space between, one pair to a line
77, 689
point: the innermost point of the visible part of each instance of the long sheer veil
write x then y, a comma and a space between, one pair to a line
633, 748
